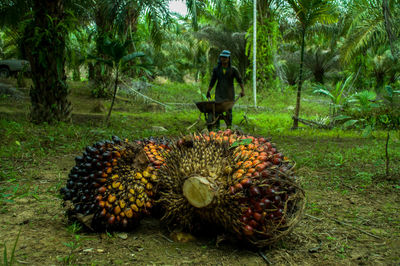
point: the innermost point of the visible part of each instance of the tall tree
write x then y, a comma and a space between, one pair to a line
123, 17
13, 17
322, 63
45, 25
44, 44
118, 57
308, 13
373, 24
225, 27
387, 15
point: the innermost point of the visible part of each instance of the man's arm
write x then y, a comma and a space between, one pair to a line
240, 81
242, 92
212, 82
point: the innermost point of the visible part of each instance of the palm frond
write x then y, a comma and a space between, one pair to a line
321, 62
368, 27
366, 30
132, 56
322, 90
309, 12
14, 11
220, 40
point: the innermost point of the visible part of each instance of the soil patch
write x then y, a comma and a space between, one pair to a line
359, 228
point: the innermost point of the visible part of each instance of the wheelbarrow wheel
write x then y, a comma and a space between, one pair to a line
212, 121
214, 112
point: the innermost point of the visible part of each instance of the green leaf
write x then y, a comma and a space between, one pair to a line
131, 56
18, 143
389, 91
14, 247
241, 142
367, 131
12, 257
323, 91
350, 123
347, 81
384, 119
342, 117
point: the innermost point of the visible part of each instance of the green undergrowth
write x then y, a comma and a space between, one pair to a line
331, 151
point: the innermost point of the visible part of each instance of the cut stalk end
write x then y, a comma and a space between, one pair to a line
198, 191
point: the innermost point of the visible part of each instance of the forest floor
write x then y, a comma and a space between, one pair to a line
351, 218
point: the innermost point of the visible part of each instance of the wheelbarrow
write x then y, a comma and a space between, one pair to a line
217, 111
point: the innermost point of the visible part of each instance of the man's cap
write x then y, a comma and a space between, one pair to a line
225, 53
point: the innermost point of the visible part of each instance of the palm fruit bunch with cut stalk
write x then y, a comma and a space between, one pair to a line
113, 183
239, 183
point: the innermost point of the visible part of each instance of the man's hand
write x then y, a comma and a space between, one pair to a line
208, 95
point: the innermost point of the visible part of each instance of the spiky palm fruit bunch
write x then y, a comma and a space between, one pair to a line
238, 182
113, 183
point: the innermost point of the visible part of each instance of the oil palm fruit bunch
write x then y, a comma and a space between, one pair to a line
155, 149
239, 183
113, 183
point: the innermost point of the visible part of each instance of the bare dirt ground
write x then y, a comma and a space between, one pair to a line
358, 228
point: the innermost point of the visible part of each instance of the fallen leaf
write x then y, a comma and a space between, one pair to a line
123, 236
182, 237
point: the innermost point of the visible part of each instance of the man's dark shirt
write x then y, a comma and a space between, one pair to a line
225, 89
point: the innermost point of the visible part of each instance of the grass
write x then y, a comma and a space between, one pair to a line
333, 166
10, 261
72, 245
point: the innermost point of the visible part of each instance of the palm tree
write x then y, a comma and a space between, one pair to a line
180, 52
382, 66
372, 26
44, 43
78, 47
124, 17
13, 15
46, 24
225, 27
308, 13
289, 67
323, 63
118, 58
233, 41
390, 32
196, 9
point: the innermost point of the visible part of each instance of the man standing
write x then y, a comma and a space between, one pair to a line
224, 74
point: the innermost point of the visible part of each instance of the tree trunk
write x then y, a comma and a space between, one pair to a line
297, 110
115, 93
102, 74
388, 27
45, 46
90, 76
319, 76
76, 74
387, 153
101, 80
